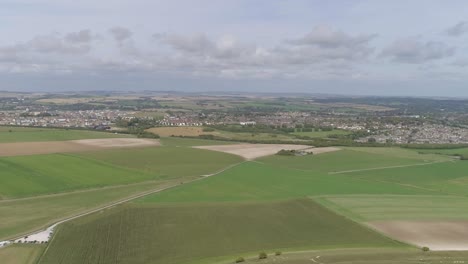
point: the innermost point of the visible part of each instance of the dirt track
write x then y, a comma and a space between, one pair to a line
32, 148
253, 151
437, 235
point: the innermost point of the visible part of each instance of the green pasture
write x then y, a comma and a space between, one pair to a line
29, 134
398, 207
187, 233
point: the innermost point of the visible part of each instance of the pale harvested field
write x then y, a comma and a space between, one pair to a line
180, 131
437, 235
253, 151
34, 148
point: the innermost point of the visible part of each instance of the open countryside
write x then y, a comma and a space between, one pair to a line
305, 205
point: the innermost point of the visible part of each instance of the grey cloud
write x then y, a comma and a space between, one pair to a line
120, 33
458, 29
411, 50
56, 44
326, 37
83, 36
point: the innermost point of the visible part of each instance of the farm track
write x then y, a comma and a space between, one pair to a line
72, 192
51, 227
387, 167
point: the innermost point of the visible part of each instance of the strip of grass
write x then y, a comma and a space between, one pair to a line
398, 207
30, 134
177, 234
21, 254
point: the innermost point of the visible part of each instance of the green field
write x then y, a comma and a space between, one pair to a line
29, 134
43, 174
21, 254
365, 208
254, 181
186, 233
351, 159
167, 162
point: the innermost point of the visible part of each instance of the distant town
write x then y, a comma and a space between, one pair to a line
372, 120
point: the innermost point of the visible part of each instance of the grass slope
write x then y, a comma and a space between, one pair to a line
28, 134
177, 234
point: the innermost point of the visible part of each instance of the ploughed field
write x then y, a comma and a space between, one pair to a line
222, 205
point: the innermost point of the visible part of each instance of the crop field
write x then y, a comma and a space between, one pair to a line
21, 254
27, 134
177, 234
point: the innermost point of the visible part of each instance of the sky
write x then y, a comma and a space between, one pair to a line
352, 47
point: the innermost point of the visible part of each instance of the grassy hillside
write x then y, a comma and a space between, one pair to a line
28, 134
177, 234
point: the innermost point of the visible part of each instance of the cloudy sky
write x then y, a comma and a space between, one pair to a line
376, 47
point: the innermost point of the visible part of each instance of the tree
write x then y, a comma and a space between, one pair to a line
425, 249
278, 253
371, 140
